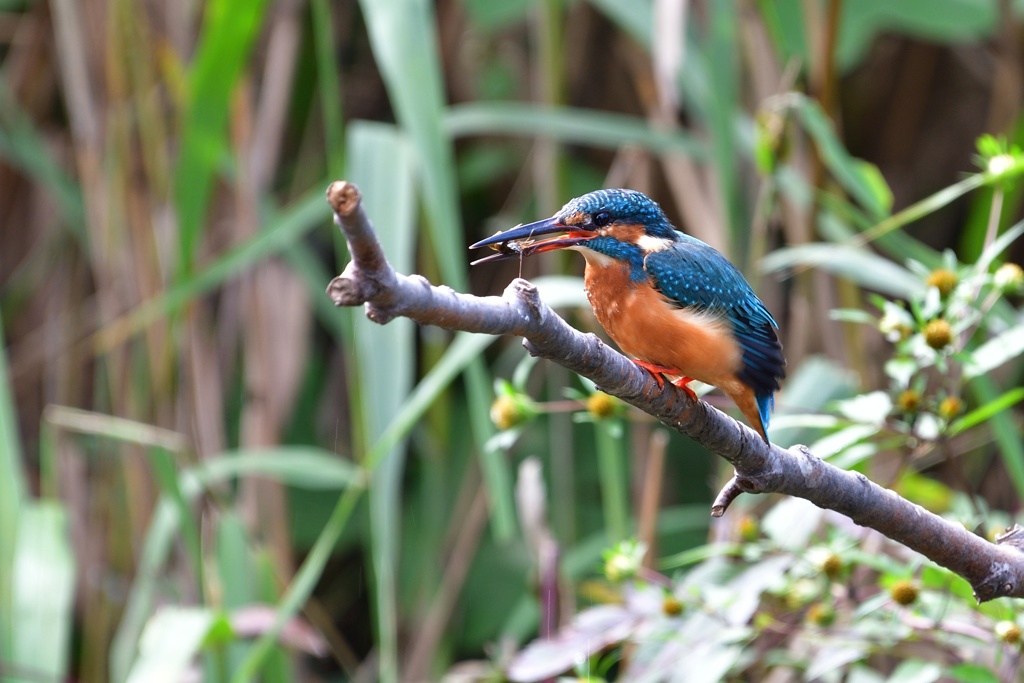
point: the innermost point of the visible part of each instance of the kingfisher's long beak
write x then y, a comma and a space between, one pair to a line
518, 241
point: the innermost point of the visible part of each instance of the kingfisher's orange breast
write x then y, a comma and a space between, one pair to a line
646, 326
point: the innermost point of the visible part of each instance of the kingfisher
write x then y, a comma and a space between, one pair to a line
674, 304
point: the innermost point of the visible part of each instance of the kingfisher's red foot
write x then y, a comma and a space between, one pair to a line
682, 383
657, 371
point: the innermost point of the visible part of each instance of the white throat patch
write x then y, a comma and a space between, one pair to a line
650, 243
594, 258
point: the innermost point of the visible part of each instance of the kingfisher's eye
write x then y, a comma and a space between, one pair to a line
602, 218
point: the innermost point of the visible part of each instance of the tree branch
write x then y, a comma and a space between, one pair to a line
993, 569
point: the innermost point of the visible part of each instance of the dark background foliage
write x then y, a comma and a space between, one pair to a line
186, 421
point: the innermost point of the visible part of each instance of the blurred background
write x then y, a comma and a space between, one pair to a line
207, 472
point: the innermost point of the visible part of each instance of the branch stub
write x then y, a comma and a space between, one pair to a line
343, 197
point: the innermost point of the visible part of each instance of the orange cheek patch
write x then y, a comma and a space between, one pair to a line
576, 219
630, 233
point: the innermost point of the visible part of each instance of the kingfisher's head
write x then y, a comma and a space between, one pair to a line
620, 224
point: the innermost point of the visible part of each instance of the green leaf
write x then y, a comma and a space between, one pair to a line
160, 536
833, 657
406, 51
860, 673
791, 522
170, 642
381, 163
743, 594
111, 427
700, 554
635, 17
943, 580
901, 370
995, 352
720, 60
854, 455
165, 472
935, 21
465, 349
927, 492
306, 467
853, 315
279, 667
873, 183
236, 575
1004, 427
916, 671
491, 15
327, 79
301, 587
857, 264
235, 566
300, 466
566, 124
614, 479
12, 490
220, 633
23, 146
402, 35
12, 476
42, 591
229, 31
903, 246
871, 408
983, 413
989, 146
812, 385
972, 673
709, 662
785, 21
590, 631
998, 245
837, 442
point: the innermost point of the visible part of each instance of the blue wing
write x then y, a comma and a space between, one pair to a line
694, 275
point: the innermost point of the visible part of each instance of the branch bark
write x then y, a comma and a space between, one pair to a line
993, 569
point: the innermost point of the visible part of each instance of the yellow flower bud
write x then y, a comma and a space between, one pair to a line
507, 412
1009, 277
600, 404
938, 334
943, 280
671, 606
908, 401
749, 528
904, 592
1008, 632
832, 566
950, 407
821, 614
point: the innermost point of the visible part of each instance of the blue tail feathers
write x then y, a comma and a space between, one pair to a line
765, 405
